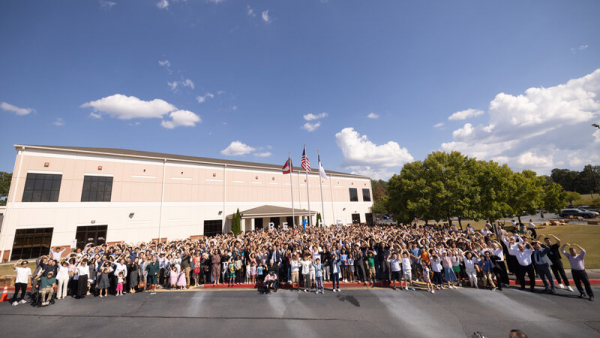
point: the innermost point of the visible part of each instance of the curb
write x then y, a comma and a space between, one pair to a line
595, 281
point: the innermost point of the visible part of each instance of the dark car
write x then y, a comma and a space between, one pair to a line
577, 213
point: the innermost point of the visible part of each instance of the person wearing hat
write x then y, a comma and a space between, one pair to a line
47, 284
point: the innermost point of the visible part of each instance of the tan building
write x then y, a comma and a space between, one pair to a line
63, 196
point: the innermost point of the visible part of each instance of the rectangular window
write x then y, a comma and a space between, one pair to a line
212, 228
356, 218
353, 195
96, 189
42, 187
95, 234
258, 223
31, 243
366, 195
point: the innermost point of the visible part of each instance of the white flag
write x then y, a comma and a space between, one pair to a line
321, 169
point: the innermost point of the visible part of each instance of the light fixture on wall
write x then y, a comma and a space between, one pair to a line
344, 209
214, 174
93, 222
46, 164
220, 212
131, 214
99, 167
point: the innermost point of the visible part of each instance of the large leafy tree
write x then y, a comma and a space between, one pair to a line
555, 198
494, 183
527, 193
380, 206
5, 179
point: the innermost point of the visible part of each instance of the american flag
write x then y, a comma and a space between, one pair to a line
305, 164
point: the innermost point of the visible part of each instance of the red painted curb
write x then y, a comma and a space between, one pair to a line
594, 281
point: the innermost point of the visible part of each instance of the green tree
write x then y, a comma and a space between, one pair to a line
573, 196
555, 198
236, 222
319, 219
380, 206
5, 179
494, 184
527, 193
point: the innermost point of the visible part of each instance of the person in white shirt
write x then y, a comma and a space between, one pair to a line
523, 255
395, 267
295, 267
56, 254
306, 264
406, 272
23, 280
82, 277
63, 280
471, 268
531, 227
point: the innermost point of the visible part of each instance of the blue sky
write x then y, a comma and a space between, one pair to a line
238, 79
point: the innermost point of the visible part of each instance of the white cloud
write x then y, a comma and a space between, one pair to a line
96, 116
130, 107
265, 16
188, 83
265, 154
202, 99
164, 63
311, 116
216, 1
162, 4
539, 129
439, 125
107, 4
237, 148
173, 85
582, 47
465, 114
184, 118
311, 126
59, 122
373, 116
366, 158
14, 109
250, 11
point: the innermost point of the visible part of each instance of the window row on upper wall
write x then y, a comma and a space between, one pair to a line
354, 195
46, 188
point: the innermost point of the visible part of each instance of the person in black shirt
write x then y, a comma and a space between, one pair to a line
557, 266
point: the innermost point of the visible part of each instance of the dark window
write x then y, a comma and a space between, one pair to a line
353, 195
212, 228
275, 221
355, 218
96, 189
366, 195
258, 223
31, 243
42, 188
95, 234
290, 221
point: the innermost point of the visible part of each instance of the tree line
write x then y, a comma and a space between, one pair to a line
586, 181
447, 185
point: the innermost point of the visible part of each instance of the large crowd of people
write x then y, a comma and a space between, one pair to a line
431, 257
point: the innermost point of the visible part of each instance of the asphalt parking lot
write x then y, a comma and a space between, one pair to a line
352, 313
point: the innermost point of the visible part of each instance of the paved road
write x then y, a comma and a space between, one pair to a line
352, 313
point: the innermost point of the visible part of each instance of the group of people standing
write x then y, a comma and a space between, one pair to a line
441, 257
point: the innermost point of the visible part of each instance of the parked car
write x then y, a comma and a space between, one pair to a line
577, 213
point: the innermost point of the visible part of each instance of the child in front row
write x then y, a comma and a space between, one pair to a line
406, 272
120, 280
426, 277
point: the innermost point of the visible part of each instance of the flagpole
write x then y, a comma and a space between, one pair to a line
321, 185
307, 191
292, 190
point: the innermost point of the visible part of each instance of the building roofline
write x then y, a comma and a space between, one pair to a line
173, 158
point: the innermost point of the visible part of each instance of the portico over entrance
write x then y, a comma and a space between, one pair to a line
260, 217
